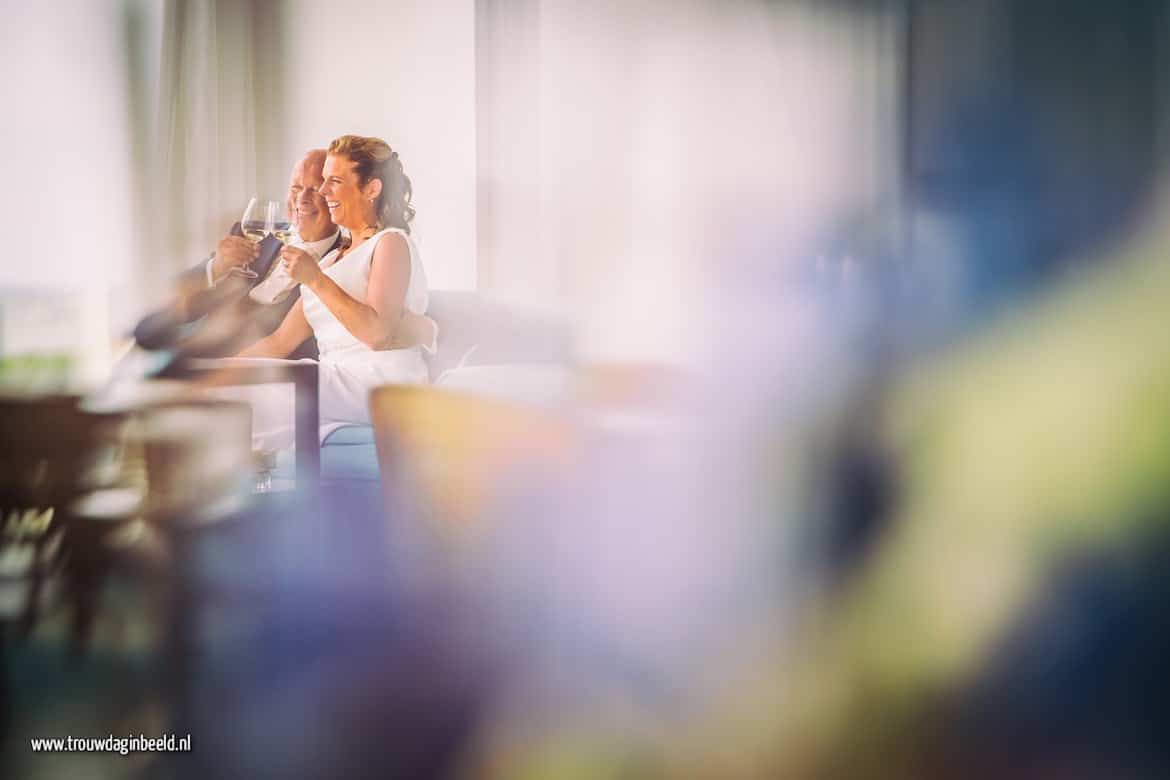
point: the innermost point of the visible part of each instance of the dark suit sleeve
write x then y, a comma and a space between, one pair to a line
195, 277
198, 299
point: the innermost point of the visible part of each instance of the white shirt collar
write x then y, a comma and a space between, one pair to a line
319, 248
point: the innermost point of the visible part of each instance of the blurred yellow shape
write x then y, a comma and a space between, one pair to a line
457, 452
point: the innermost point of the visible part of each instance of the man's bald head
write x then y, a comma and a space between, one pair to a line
314, 159
306, 207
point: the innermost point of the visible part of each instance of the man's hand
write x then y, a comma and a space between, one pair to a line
300, 265
232, 252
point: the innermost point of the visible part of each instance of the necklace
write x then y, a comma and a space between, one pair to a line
343, 245
347, 243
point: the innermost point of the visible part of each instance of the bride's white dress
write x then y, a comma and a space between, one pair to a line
348, 369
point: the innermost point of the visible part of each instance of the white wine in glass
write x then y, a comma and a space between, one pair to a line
283, 230
278, 223
252, 225
253, 222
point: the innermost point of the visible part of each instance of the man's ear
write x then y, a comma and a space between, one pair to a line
373, 188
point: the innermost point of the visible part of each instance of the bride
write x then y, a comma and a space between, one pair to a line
366, 303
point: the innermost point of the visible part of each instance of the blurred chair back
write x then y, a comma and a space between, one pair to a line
56, 460
198, 459
450, 460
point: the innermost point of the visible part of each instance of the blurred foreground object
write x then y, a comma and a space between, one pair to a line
448, 459
56, 465
94, 505
1009, 620
1041, 449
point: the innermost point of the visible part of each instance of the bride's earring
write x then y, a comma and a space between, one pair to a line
370, 230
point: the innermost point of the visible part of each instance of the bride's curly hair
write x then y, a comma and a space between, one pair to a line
374, 159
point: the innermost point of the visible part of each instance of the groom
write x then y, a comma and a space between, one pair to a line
260, 304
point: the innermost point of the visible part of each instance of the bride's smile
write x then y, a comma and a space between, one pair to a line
350, 202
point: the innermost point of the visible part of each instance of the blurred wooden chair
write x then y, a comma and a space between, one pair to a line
58, 465
447, 458
455, 453
55, 459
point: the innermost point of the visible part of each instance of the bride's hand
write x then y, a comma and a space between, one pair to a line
300, 265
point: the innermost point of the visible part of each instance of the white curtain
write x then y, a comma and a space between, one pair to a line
629, 153
215, 133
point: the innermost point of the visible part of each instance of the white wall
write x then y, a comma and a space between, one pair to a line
681, 142
405, 72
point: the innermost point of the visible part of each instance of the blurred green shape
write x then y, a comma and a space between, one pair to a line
37, 372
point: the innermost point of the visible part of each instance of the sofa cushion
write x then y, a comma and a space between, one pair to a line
349, 435
348, 454
528, 383
474, 330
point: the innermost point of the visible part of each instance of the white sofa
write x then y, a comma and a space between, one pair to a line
485, 348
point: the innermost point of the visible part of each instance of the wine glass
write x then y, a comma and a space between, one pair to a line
281, 226
264, 463
258, 220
